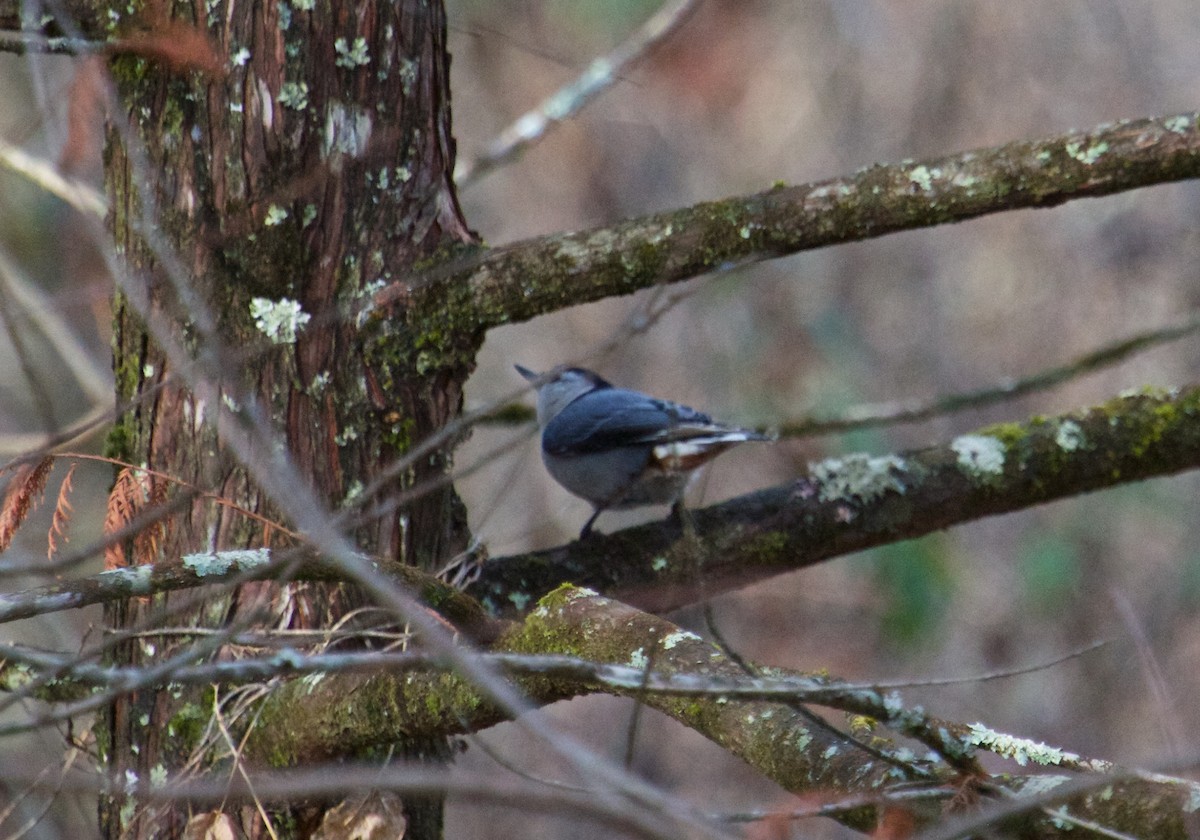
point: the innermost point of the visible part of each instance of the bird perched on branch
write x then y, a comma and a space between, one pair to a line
618, 448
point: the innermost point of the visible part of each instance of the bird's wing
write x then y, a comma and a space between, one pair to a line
610, 418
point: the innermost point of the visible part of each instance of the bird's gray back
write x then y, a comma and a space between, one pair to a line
610, 418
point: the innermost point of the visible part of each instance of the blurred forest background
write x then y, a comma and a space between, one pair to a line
748, 93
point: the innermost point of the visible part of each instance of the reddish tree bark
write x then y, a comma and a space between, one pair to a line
307, 161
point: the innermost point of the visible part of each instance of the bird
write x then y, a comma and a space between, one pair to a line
618, 448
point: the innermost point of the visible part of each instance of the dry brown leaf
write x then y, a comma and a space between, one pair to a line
123, 503
62, 515
22, 496
150, 538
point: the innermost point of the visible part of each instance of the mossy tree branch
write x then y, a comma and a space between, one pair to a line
843, 505
308, 721
520, 281
855, 502
304, 722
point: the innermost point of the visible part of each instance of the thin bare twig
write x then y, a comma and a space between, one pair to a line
837, 806
496, 756
94, 379
37, 386
887, 708
79, 195
601, 74
1004, 674
239, 766
1165, 714
1049, 791
912, 411
33, 43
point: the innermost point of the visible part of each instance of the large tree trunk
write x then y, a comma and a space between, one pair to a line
309, 163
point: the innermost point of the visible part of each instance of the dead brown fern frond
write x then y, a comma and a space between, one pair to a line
23, 494
270, 526
124, 501
150, 538
62, 515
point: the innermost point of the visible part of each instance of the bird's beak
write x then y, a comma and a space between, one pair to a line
527, 373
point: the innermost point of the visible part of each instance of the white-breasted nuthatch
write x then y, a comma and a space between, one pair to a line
621, 449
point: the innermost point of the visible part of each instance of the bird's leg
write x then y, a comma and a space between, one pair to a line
681, 515
587, 526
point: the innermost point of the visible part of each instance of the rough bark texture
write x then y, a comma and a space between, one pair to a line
313, 168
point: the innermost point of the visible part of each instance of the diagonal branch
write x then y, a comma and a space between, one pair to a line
601, 74
520, 281
307, 720
229, 568
854, 502
912, 411
842, 505
346, 710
